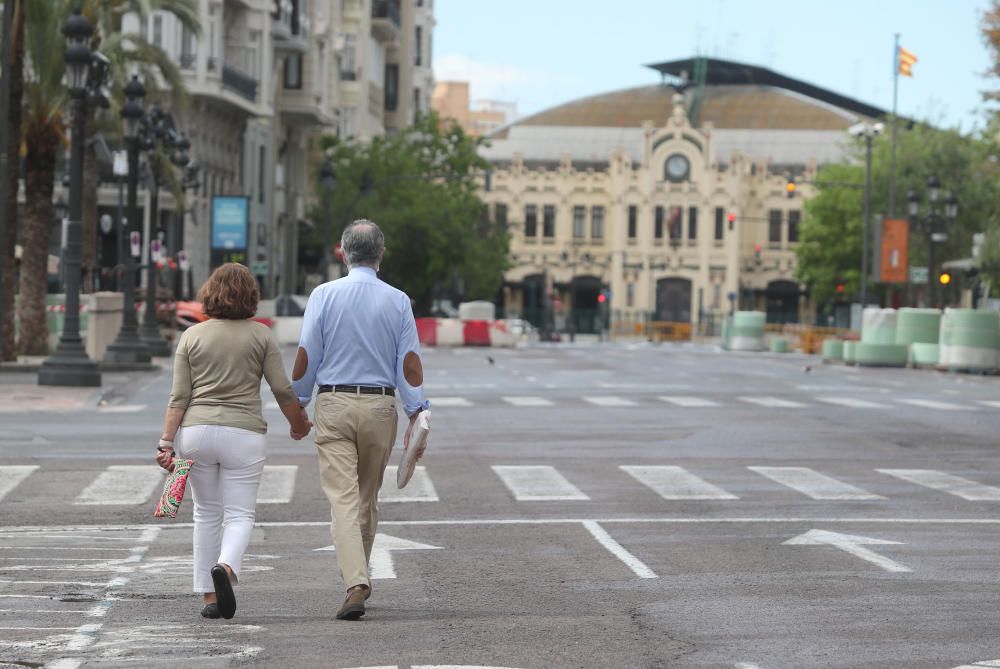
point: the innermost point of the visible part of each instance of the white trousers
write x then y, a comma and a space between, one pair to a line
228, 463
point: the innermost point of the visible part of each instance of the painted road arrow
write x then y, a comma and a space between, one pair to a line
381, 565
852, 544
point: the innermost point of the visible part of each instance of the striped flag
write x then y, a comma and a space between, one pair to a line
904, 62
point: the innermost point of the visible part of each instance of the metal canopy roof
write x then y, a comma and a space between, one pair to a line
720, 71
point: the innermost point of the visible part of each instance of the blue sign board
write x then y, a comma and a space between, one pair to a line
230, 222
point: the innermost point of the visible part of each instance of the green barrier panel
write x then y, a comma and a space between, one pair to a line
924, 355
833, 349
970, 328
918, 326
779, 346
748, 324
881, 355
849, 349
878, 326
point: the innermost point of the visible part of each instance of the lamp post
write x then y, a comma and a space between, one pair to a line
867, 131
936, 213
70, 365
128, 347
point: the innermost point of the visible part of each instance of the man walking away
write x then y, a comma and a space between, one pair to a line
359, 344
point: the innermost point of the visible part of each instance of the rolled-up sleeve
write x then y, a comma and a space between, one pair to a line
180, 390
310, 341
274, 373
412, 397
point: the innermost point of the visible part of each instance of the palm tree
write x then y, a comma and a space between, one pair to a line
15, 89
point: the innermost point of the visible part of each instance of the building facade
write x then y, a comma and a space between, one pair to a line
452, 103
667, 202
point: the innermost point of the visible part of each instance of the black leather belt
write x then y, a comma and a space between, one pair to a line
359, 390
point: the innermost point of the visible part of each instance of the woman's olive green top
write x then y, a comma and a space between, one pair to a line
217, 370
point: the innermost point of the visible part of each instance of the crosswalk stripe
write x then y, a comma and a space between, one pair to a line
990, 403
813, 484
935, 404
691, 402
609, 401
122, 408
852, 402
12, 475
949, 483
122, 484
773, 402
419, 489
450, 402
528, 401
538, 484
672, 482
277, 485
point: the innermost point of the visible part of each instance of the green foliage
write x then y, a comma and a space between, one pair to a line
422, 192
830, 247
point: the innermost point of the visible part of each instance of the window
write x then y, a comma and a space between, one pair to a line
720, 217
261, 174
579, 222
794, 216
597, 222
630, 295
416, 103
774, 226
348, 58
548, 221
676, 216
418, 46
188, 51
293, 71
692, 223
633, 217
157, 37
391, 87
658, 227
500, 215
348, 122
530, 220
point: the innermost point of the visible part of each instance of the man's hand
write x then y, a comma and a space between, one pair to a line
300, 429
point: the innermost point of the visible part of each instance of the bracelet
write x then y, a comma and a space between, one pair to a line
164, 443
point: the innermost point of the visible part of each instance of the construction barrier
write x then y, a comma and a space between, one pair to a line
658, 331
456, 332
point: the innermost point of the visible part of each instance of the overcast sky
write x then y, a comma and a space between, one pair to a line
540, 53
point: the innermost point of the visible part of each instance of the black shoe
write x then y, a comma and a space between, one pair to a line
211, 611
224, 595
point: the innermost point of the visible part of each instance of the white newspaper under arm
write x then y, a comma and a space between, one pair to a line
418, 438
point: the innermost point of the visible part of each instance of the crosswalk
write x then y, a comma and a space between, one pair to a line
131, 485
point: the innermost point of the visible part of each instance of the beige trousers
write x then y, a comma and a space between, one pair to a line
354, 436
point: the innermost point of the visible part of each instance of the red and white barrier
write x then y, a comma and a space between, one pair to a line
456, 332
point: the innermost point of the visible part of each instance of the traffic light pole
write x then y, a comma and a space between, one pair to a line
867, 221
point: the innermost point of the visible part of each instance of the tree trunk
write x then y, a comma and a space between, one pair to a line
40, 168
89, 230
8, 350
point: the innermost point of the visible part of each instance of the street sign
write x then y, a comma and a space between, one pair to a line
135, 241
183, 261
918, 275
260, 267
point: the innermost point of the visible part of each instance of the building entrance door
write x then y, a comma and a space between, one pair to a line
673, 300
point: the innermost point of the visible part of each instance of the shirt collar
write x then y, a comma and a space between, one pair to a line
363, 273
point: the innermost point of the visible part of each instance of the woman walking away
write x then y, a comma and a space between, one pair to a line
214, 418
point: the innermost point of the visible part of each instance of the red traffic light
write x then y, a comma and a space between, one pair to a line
840, 288
731, 217
757, 248
602, 298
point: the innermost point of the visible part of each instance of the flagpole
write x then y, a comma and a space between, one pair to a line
895, 96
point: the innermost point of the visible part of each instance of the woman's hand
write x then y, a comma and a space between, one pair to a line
165, 456
301, 425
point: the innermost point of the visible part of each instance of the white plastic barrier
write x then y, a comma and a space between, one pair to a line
450, 332
480, 310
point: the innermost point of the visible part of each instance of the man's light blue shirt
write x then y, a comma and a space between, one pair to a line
356, 331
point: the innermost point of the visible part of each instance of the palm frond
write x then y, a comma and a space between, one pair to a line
185, 11
131, 53
44, 93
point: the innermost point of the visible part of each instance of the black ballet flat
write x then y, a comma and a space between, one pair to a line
211, 611
224, 595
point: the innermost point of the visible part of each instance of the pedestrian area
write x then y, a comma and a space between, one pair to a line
131, 485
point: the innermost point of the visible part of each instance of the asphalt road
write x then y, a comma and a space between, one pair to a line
580, 506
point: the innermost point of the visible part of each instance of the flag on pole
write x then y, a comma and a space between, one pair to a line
904, 62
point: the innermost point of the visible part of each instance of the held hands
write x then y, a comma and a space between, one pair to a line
301, 426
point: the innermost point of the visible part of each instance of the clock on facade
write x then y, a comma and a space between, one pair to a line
677, 167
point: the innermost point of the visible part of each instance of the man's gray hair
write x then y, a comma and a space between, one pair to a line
362, 243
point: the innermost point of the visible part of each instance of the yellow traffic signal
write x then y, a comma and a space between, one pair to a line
791, 187
944, 279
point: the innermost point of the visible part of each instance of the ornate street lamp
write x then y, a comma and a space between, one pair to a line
931, 220
70, 365
128, 347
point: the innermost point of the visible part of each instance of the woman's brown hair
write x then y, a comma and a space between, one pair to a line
231, 293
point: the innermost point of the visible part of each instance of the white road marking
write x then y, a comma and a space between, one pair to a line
935, 404
450, 402
672, 483
773, 402
419, 489
12, 475
122, 484
949, 483
616, 549
528, 401
991, 403
747, 665
381, 561
609, 401
691, 402
814, 484
540, 483
851, 544
852, 402
277, 485
122, 408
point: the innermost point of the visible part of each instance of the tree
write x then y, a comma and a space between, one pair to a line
420, 186
830, 248
15, 87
